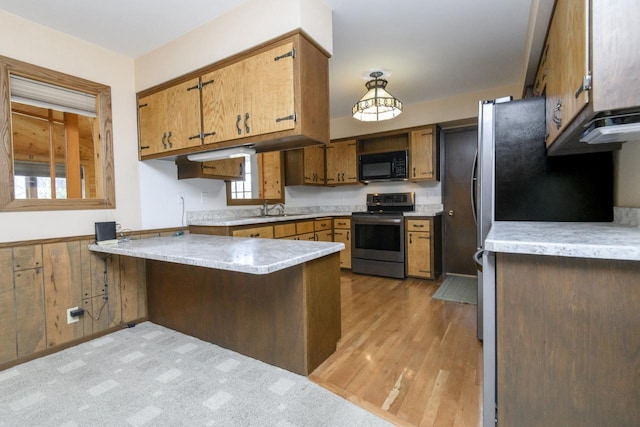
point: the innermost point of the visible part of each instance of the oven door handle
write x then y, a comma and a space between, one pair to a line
376, 220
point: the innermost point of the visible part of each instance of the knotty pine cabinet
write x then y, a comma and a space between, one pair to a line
169, 120
342, 234
227, 169
275, 96
423, 247
305, 166
423, 154
252, 96
323, 229
342, 163
587, 68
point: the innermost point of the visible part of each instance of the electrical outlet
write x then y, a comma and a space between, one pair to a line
203, 197
180, 198
69, 318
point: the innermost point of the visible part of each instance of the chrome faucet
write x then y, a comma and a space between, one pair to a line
266, 209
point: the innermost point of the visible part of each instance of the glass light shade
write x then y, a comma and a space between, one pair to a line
377, 104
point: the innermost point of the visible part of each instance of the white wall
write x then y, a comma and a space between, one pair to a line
627, 178
39, 45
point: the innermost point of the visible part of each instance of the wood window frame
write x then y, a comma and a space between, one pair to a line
105, 182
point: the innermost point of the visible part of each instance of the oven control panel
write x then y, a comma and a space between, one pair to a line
391, 202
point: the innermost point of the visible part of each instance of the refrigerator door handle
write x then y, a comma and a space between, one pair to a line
477, 258
473, 185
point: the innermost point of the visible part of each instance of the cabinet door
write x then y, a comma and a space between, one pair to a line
421, 155
183, 115
270, 168
152, 120
268, 91
224, 168
29, 311
567, 65
418, 254
342, 163
222, 104
344, 236
324, 236
314, 165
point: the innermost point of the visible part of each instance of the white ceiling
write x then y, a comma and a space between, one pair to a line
428, 49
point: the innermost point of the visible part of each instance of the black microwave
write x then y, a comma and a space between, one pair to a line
390, 166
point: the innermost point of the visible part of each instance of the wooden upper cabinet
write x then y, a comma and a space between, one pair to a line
342, 163
270, 175
314, 165
594, 42
251, 97
566, 64
423, 155
169, 120
275, 96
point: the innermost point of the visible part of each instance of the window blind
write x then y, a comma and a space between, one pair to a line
45, 95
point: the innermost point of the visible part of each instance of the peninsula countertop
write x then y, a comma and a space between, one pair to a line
246, 255
569, 239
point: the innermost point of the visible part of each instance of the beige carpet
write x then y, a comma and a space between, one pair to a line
153, 376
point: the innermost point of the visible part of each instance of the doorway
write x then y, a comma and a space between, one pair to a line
459, 148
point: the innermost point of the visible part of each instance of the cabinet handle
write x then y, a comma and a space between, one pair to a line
238, 124
410, 238
142, 105
169, 140
195, 137
342, 176
282, 119
586, 85
291, 53
347, 235
145, 147
204, 135
557, 114
424, 237
414, 172
164, 139
246, 123
418, 225
206, 83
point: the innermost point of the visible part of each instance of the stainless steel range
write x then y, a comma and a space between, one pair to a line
377, 246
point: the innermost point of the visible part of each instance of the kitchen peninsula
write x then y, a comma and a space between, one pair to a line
561, 324
273, 300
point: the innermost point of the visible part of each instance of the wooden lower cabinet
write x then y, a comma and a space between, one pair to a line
260, 232
567, 341
423, 248
342, 234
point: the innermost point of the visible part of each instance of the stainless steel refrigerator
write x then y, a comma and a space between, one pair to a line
515, 180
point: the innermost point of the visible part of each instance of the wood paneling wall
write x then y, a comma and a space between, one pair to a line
40, 280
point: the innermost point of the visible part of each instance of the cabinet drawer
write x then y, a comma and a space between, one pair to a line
26, 257
344, 223
322, 224
306, 236
263, 232
284, 230
419, 225
304, 227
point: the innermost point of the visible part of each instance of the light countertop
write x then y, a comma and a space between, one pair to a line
246, 255
569, 239
233, 221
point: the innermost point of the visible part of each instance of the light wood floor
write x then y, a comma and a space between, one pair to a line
408, 358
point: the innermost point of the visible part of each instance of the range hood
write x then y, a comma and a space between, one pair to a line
612, 129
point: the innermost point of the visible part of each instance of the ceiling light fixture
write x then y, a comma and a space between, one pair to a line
226, 153
377, 104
